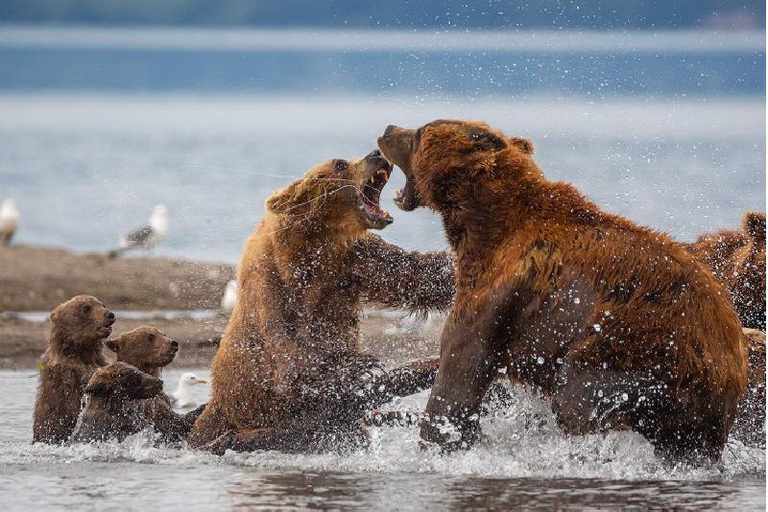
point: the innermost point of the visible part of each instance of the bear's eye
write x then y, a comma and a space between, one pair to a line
85, 308
340, 165
151, 337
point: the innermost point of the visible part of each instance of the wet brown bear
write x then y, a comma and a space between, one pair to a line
287, 374
617, 323
737, 258
149, 350
750, 419
78, 328
114, 408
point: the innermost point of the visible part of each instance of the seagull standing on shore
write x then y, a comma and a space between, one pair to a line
229, 298
182, 397
9, 221
146, 237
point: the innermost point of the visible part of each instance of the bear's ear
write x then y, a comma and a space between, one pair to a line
486, 141
285, 200
754, 225
113, 344
523, 145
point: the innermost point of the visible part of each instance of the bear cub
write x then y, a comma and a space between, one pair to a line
114, 408
78, 328
150, 350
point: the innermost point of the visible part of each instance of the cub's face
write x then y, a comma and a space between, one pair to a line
83, 319
123, 380
144, 347
342, 192
443, 155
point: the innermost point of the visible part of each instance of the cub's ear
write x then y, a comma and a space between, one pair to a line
97, 389
292, 196
754, 225
113, 344
523, 145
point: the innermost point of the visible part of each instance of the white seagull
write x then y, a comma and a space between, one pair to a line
9, 221
182, 398
147, 236
229, 298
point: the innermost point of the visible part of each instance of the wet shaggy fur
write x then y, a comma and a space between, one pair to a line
113, 408
78, 328
737, 258
288, 374
617, 323
149, 350
750, 419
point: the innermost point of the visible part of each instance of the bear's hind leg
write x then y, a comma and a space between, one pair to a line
590, 401
308, 439
679, 434
209, 426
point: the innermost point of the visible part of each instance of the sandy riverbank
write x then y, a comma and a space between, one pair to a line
23, 341
39, 278
35, 279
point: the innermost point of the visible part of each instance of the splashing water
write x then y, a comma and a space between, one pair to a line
519, 442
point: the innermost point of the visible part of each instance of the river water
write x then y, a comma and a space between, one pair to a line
523, 463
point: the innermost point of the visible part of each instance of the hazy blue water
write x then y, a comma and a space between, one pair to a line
429, 64
97, 126
86, 167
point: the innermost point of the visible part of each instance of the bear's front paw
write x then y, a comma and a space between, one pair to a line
450, 435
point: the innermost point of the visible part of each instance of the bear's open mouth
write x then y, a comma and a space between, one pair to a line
407, 198
370, 194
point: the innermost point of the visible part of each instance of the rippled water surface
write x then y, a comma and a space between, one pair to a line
523, 463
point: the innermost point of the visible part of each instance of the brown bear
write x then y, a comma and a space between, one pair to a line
149, 350
737, 258
750, 418
288, 374
617, 323
114, 405
78, 328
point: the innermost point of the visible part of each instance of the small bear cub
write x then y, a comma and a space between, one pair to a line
114, 403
